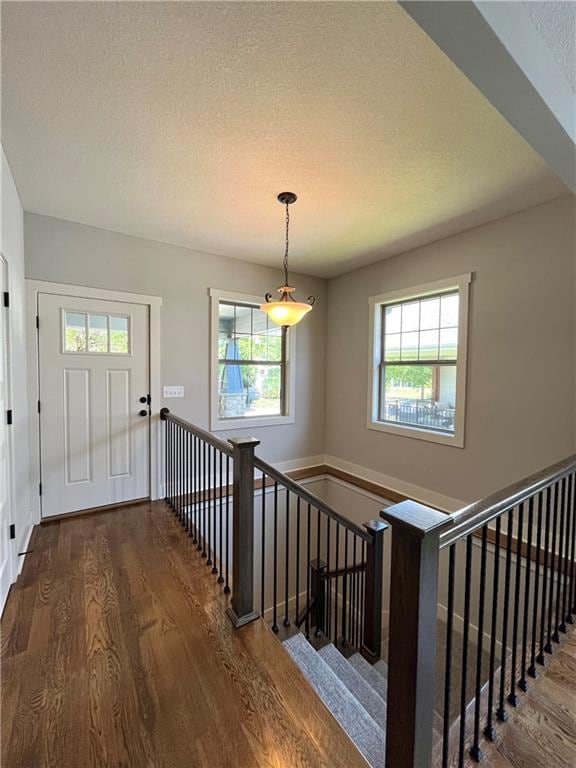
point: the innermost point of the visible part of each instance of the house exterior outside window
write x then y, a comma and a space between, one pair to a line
417, 375
252, 365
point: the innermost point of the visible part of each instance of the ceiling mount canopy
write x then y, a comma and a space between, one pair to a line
286, 311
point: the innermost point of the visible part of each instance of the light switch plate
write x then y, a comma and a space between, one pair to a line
174, 391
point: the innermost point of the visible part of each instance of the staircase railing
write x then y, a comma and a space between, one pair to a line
287, 555
477, 601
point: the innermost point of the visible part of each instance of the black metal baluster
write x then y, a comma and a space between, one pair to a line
532, 668
345, 590
354, 596
328, 618
464, 680
287, 563
297, 558
308, 531
227, 541
216, 496
275, 575
540, 657
194, 490
523, 683
211, 452
548, 646
362, 577
205, 508
182, 460
337, 545
448, 657
263, 547
221, 521
566, 502
572, 507
558, 557
489, 730
512, 697
501, 711
318, 534
475, 750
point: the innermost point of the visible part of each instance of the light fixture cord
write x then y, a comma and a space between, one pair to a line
287, 245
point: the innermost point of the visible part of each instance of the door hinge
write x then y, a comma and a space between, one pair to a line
37, 322
6, 299
9, 416
148, 399
38, 406
39, 489
12, 531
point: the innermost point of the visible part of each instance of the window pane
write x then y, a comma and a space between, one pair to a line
448, 343
223, 341
243, 319
260, 347
392, 346
392, 318
75, 332
449, 311
119, 341
419, 395
242, 347
429, 345
97, 333
410, 316
249, 390
275, 345
429, 314
410, 346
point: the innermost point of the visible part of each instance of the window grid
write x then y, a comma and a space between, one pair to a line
83, 333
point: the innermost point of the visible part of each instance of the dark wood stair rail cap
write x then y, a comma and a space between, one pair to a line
416, 519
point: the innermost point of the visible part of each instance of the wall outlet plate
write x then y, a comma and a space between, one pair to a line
173, 391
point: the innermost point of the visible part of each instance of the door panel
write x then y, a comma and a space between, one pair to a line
94, 368
7, 553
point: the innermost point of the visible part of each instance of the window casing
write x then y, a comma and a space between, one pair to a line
418, 361
252, 374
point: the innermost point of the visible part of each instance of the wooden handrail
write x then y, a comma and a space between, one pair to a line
208, 437
477, 514
310, 497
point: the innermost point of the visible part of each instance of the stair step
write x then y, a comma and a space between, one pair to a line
374, 678
382, 668
366, 734
358, 687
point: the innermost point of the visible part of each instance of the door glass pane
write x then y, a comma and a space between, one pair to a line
75, 332
119, 337
97, 333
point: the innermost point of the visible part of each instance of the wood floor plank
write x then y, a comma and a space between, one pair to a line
116, 651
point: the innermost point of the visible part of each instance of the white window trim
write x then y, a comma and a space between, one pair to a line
459, 282
245, 422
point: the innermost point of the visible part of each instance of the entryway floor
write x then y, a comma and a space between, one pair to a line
116, 651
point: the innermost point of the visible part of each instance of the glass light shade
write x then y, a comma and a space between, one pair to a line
285, 313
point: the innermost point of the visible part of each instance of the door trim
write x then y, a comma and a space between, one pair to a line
154, 304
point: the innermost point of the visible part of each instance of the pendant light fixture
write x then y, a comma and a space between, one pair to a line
286, 311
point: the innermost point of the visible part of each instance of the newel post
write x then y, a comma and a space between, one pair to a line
242, 610
412, 634
372, 635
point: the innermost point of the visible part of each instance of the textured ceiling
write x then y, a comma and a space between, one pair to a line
556, 22
181, 122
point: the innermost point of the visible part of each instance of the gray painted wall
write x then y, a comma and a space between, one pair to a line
67, 252
521, 376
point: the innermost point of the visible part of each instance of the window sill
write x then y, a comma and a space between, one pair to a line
246, 422
419, 433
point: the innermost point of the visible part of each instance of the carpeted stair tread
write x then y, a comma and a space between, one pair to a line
382, 668
371, 675
366, 734
358, 687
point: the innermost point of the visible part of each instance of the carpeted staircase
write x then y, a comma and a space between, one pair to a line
353, 690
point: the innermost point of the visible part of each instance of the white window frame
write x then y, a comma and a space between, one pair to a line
460, 283
246, 422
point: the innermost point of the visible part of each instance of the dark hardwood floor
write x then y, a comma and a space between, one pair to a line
116, 652
541, 732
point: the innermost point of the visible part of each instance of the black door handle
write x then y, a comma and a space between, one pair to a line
143, 413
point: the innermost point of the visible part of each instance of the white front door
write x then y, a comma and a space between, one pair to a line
7, 554
94, 412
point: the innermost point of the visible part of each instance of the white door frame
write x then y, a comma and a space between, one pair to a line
154, 303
